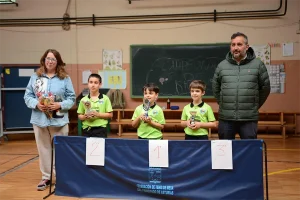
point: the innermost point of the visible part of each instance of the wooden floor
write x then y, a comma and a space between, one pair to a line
19, 170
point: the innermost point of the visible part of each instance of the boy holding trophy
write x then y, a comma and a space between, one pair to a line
149, 118
197, 116
94, 110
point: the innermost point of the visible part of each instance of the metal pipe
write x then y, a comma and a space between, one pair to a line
151, 16
109, 20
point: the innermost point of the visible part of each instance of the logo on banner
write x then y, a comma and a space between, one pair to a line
154, 175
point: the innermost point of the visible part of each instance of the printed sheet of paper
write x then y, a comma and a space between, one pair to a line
288, 49
158, 153
277, 78
85, 76
26, 72
112, 59
263, 52
114, 79
221, 154
95, 151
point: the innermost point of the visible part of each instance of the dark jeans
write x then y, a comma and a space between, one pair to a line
246, 129
200, 137
95, 132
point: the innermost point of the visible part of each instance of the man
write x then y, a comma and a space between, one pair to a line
241, 85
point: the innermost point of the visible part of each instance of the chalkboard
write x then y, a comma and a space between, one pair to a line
173, 67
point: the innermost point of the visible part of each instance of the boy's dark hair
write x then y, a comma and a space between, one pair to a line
240, 34
198, 84
95, 76
151, 87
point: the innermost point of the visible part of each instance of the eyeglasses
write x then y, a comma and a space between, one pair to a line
51, 59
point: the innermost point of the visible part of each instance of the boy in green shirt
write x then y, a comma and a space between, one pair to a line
94, 110
149, 118
197, 116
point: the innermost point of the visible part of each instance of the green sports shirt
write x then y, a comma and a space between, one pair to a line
145, 130
101, 105
204, 113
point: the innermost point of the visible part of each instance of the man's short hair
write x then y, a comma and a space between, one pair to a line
240, 34
198, 84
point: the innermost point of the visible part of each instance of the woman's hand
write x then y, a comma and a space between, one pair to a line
54, 106
41, 107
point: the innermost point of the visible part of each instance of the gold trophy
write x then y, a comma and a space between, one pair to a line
193, 113
88, 107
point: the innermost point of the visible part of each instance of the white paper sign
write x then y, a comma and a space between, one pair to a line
95, 151
26, 72
158, 153
85, 76
221, 154
288, 49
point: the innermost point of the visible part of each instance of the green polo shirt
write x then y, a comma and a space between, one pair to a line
145, 130
204, 114
102, 105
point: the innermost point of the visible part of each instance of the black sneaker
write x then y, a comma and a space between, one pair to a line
43, 185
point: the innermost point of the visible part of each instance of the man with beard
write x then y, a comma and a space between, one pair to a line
241, 85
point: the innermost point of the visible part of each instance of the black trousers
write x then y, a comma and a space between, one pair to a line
150, 138
200, 137
246, 129
95, 132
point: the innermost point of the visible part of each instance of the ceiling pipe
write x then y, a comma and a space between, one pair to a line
153, 16
168, 18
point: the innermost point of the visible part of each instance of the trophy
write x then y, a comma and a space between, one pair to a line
46, 99
87, 106
57, 113
146, 107
193, 113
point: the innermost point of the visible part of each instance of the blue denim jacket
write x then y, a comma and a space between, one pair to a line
61, 88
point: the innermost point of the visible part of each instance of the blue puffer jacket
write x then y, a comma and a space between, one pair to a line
63, 89
241, 89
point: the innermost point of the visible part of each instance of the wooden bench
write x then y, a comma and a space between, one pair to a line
269, 119
291, 121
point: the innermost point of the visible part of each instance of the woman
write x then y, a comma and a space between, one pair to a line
50, 94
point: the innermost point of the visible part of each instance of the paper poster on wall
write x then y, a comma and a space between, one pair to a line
263, 52
112, 59
26, 72
85, 76
115, 79
277, 78
288, 49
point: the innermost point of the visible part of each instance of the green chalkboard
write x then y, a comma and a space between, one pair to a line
173, 67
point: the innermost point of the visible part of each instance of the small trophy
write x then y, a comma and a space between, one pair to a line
87, 106
57, 113
193, 113
46, 99
146, 107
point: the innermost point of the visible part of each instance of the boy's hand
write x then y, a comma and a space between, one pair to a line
147, 120
194, 126
92, 115
142, 117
